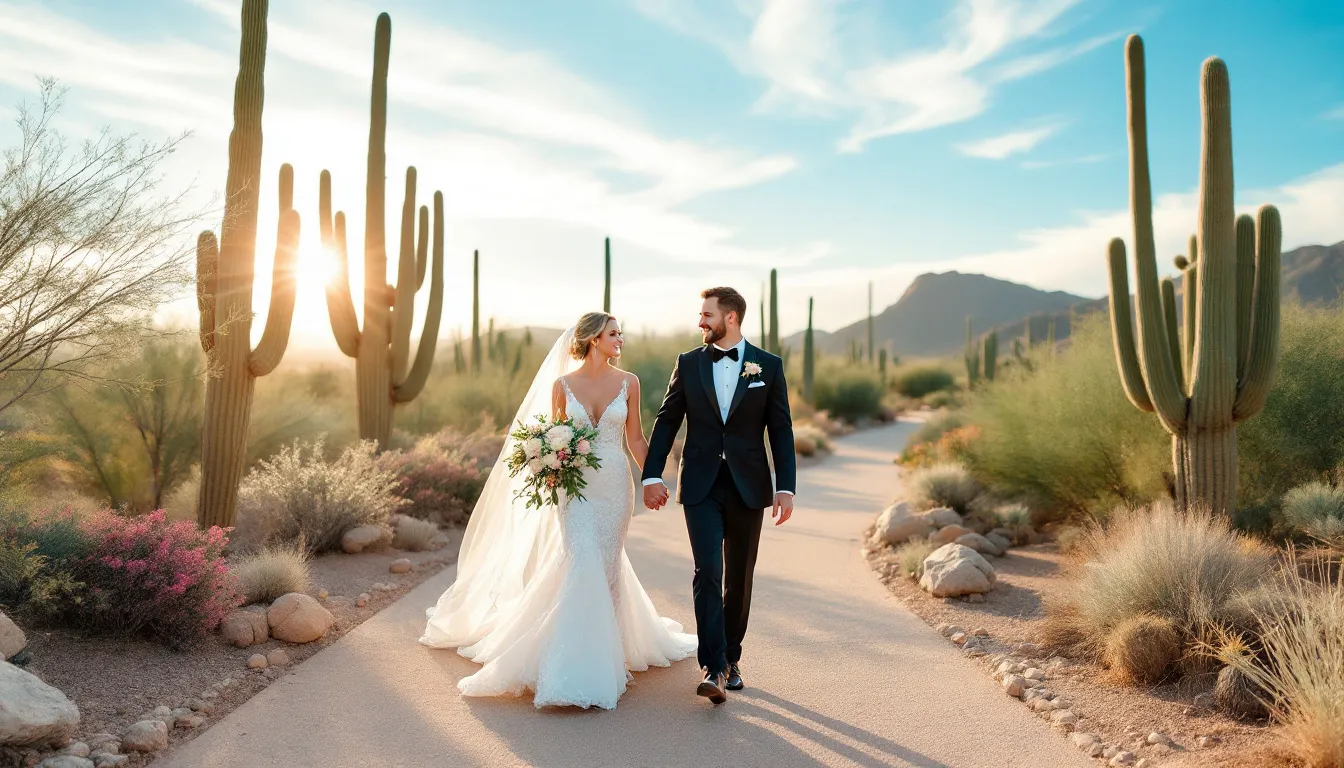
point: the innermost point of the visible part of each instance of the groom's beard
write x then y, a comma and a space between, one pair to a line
713, 333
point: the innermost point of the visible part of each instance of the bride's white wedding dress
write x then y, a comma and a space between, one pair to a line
555, 608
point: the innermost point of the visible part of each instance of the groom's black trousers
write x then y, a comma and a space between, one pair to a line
725, 535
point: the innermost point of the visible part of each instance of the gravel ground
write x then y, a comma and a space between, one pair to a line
1117, 714
117, 682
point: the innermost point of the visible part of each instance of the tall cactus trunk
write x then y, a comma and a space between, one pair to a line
606, 291
225, 270
475, 311
809, 362
774, 312
871, 353
765, 331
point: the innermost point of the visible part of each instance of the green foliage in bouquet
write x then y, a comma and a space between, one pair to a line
554, 454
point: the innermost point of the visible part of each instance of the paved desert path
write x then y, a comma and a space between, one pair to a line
839, 673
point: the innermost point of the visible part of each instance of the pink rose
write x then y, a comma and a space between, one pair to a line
562, 455
583, 448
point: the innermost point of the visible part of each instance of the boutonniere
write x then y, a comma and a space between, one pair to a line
751, 370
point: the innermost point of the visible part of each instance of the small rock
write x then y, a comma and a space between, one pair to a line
277, 658
12, 639
197, 705
1014, 686
323, 594
111, 761
979, 544
1004, 668
1026, 649
364, 537
949, 630
1158, 738
1205, 742
362, 600
942, 517
898, 524
1095, 750
400, 566
190, 721
979, 632
1110, 751
975, 651
1143, 763
77, 749
208, 695
1042, 704
271, 673
66, 761
1084, 740
1161, 750
146, 736
949, 533
959, 638
101, 741
1123, 758
246, 627
298, 618
257, 661
1063, 717
1058, 662
975, 597
1034, 674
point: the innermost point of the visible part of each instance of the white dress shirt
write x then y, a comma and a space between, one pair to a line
727, 374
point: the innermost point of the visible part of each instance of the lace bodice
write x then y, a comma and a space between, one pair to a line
610, 424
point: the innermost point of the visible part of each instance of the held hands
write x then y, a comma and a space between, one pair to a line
783, 508
655, 496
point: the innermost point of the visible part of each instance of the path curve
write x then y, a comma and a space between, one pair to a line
840, 674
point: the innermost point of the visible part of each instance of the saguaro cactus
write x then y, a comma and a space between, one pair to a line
774, 311
809, 356
870, 323
972, 357
1232, 335
606, 292
384, 374
990, 348
765, 330
224, 272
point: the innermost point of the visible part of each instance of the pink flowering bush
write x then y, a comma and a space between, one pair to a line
144, 576
443, 475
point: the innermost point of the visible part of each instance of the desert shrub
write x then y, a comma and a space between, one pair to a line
932, 430
1300, 667
809, 440
272, 572
1063, 436
943, 398
299, 496
142, 576
180, 503
923, 380
1296, 438
1017, 518
942, 485
20, 567
414, 535
848, 393
442, 476
910, 557
1142, 649
1316, 509
1186, 568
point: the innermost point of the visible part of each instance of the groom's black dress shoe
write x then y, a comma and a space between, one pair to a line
735, 678
712, 688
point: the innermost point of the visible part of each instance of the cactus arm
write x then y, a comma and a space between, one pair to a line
422, 249
403, 306
429, 336
1173, 329
1122, 329
275, 338
1169, 402
1263, 357
207, 275
340, 302
1213, 388
1245, 243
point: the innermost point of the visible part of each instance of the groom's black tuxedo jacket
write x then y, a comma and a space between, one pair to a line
741, 439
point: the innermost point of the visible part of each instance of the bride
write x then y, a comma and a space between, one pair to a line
546, 599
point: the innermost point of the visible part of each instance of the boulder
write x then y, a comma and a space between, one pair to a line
277, 658
103, 760
32, 712
12, 639
980, 544
1002, 542
146, 736
246, 627
1013, 685
949, 534
257, 661
400, 566
942, 517
954, 570
299, 618
66, 761
364, 537
897, 524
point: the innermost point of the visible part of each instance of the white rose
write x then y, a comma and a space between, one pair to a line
558, 437
534, 465
551, 461
532, 448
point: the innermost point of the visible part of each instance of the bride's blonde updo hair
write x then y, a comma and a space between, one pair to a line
589, 327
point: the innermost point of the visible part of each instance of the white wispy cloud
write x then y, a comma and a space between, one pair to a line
1032, 165
813, 56
1335, 114
1008, 144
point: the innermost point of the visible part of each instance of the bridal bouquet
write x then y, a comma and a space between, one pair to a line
553, 453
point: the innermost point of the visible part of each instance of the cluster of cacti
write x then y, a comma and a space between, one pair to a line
383, 371
773, 341
809, 356
224, 273
1224, 370
606, 291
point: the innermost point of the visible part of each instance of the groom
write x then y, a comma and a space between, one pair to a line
729, 393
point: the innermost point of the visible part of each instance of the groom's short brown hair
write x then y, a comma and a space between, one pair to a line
729, 300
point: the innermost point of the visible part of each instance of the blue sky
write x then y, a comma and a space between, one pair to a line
841, 141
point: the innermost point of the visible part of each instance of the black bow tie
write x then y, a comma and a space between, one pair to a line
717, 354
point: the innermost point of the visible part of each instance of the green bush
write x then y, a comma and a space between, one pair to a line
933, 430
849, 393
1297, 438
911, 555
1316, 509
1064, 437
942, 485
273, 572
924, 380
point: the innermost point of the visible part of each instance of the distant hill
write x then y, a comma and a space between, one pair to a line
929, 320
